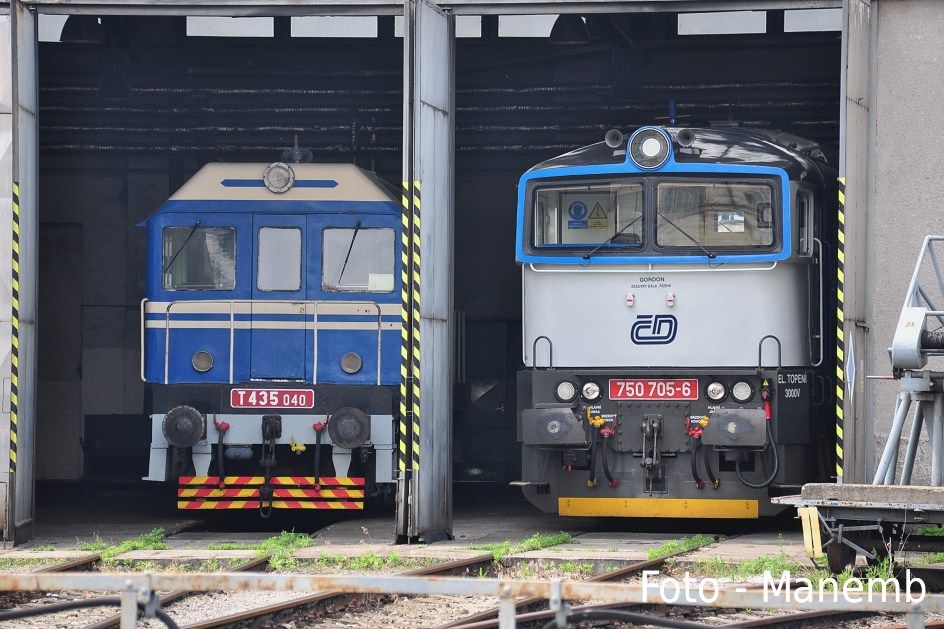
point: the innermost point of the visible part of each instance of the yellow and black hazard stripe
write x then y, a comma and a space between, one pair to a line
840, 321
15, 332
408, 440
415, 323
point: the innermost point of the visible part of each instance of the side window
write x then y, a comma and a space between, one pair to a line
199, 258
279, 265
805, 222
358, 260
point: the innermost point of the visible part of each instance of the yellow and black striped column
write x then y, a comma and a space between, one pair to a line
15, 331
840, 321
408, 437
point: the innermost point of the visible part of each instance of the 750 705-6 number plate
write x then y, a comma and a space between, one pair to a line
272, 398
654, 389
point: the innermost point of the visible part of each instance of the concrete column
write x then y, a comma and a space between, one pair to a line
854, 447
907, 186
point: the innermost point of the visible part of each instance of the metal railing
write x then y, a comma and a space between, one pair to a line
310, 322
144, 586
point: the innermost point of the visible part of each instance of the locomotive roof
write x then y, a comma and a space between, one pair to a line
801, 158
313, 182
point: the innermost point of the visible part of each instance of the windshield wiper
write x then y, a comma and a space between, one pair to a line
587, 255
173, 258
710, 255
357, 228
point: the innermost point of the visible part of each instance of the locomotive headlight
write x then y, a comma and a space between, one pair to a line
649, 147
715, 391
566, 391
351, 362
591, 391
742, 391
202, 361
278, 177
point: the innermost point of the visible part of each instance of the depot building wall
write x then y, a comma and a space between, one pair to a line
908, 186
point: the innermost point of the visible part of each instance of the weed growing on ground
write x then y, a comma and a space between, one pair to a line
281, 549
152, 540
12, 564
676, 546
569, 567
41, 548
371, 561
774, 564
935, 531
231, 546
537, 541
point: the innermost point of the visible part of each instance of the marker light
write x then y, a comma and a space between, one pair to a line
742, 391
715, 391
591, 391
351, 362
202, 361
648, 147
566, 391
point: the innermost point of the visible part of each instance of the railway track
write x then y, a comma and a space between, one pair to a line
328, 598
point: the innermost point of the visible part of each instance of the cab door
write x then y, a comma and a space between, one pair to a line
279, 348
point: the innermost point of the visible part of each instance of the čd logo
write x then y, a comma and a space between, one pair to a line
654, 329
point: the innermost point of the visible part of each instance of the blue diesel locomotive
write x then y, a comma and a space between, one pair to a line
270, 337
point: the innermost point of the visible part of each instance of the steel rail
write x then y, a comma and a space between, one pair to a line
489, 617
79, 563
327, 597
176, 595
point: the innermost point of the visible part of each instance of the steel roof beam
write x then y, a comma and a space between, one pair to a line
250, 8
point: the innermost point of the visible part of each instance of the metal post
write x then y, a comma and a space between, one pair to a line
129, 607
506, 610
913, 439
890, 454
937, 443
916, 619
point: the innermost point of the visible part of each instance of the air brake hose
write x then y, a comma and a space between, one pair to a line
715, 483
694, 458
221, 428
592, 481
776, 465
319, 429
606, 465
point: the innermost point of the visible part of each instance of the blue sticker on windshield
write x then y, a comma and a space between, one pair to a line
578, 211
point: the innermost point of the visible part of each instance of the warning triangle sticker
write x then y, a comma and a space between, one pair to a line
598, 212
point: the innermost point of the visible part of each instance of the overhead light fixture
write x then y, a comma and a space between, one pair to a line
81, 29
114, 86
570, 30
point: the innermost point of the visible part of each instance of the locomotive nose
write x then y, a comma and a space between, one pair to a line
183, 426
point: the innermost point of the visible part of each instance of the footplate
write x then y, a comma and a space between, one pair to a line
288, 492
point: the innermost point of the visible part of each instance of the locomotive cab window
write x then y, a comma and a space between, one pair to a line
358, 259
589, 214
279, 265
199, 258
716, 215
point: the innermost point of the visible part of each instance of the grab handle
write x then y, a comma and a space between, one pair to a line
550, 352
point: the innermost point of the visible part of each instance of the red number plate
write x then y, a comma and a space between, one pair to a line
654, 389
272, 398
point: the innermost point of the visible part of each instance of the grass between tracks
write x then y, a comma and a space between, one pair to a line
152, 540
676, 546
537, 541
280, 548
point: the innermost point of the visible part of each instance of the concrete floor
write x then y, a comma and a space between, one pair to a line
483, 514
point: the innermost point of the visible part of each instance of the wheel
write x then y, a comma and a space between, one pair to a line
839, 556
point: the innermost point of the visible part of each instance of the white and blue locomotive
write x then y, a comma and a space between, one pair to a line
675, 289
270, 337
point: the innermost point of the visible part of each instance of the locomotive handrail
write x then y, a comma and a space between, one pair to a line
760, 352
550, 352
232, 328
818, 244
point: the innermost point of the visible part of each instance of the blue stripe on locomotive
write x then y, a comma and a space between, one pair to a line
284, 353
